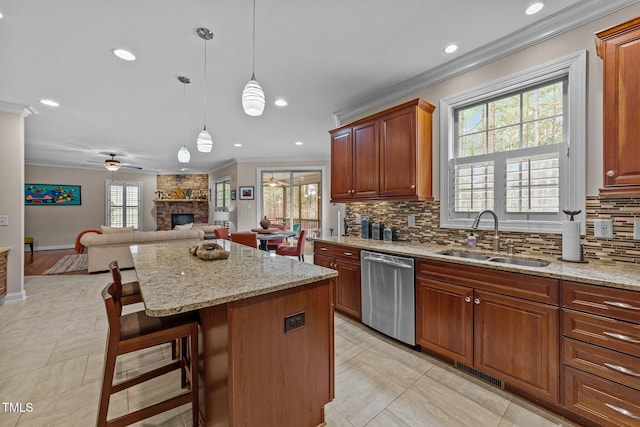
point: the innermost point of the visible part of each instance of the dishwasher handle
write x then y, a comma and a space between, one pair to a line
385, 261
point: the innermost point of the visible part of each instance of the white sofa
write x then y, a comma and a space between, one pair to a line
106, 247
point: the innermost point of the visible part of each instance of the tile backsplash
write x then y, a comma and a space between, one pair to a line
622, 210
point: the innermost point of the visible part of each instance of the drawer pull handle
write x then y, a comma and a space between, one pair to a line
621, 305
623, 411
621, 337
348, 253
323, 249
622, 369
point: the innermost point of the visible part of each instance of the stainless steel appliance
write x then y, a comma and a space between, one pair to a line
388, 295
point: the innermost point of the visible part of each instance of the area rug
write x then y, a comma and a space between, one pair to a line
68, 263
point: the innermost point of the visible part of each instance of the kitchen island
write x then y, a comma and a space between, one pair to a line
266, 345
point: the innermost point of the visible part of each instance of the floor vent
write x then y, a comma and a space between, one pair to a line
484, 377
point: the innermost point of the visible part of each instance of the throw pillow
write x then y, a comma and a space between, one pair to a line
107, 230
183, 226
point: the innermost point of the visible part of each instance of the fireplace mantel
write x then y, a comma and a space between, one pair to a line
166, 202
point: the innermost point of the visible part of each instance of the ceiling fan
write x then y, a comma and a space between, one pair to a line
113, 165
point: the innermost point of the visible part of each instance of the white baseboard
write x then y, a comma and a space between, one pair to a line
13, 297
50, 248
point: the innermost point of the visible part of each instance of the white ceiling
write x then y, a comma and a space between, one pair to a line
324, 57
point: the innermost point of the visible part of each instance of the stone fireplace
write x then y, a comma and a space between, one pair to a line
180, 195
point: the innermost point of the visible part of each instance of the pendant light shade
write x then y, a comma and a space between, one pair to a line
253, 98
183, 154
204, 141
253, 95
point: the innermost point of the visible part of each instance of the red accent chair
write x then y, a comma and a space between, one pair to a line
221, 233
137, 331
274, 244
247, 238
297, 250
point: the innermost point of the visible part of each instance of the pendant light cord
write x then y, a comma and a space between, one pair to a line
253, 66
205, 84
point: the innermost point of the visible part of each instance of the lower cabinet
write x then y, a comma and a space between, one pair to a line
346, 261
477, 317
601, 345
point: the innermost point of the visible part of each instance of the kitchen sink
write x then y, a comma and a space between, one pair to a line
521, 261
465, 254
527, 262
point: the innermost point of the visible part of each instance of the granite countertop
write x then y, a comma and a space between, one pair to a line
3, 249
615, 275
174, 281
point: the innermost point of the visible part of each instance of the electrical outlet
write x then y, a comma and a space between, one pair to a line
636, 229
603, 229
411, 221
4, 220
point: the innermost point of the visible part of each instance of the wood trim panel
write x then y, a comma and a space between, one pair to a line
338, 251
602, 331
534, 288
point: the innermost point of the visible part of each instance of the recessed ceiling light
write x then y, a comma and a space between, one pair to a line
50, 102
299, 142
237, 145
534, 8
184, 169
281, 102
124, 54
451, 48
1, 15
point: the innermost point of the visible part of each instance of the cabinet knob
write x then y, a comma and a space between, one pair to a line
467, 299
413, 186
477, 300
611, 173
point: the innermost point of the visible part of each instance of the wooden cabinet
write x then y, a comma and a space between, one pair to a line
386, 156
502, 324
619, 47
346, 261
3, 273
601, 344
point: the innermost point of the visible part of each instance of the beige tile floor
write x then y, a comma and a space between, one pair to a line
52, 348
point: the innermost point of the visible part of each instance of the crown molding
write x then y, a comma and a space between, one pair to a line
554, 25
23, 110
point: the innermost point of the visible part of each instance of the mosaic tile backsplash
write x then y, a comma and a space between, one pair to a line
622, 210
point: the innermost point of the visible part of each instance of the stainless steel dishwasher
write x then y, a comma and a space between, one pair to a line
388, 295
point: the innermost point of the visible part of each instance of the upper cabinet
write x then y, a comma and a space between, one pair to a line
619, 47
386, 156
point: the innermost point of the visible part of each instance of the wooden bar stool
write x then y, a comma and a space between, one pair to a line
29, 241
137, 331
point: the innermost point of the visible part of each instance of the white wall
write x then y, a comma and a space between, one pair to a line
11, 195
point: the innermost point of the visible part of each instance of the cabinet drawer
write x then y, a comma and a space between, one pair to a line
618, 303
534, 288
618, 367
608, 403
602, 331
339, 251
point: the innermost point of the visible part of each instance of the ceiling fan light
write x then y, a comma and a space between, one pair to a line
253, 98
204, 141
112, 165
183, 154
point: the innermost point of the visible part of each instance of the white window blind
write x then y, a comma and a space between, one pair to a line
123, 204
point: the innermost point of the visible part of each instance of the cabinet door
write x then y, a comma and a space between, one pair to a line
444, 319
348, 292
365, 160
398, 153
341, 165
517, 341
621, 56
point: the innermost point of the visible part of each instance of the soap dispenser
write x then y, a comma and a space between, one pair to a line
471, 241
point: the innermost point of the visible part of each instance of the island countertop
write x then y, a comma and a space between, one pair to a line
174, 281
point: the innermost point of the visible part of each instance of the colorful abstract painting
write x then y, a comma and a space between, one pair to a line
48, 194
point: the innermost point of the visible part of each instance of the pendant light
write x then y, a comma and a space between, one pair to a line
204, 141
183, 153
252, 95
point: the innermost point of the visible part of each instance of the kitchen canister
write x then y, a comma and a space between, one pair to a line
387, 235
366, 228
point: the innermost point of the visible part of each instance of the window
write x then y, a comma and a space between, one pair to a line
223, 194
516, 146
123, 204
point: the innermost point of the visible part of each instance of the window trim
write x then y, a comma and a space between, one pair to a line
107, 210
574, 67
223, 181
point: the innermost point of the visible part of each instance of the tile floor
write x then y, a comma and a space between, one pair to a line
52, 349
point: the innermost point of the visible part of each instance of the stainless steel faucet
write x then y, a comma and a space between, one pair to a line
496, 238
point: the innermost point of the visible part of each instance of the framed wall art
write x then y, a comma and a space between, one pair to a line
52, 194
246, 193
